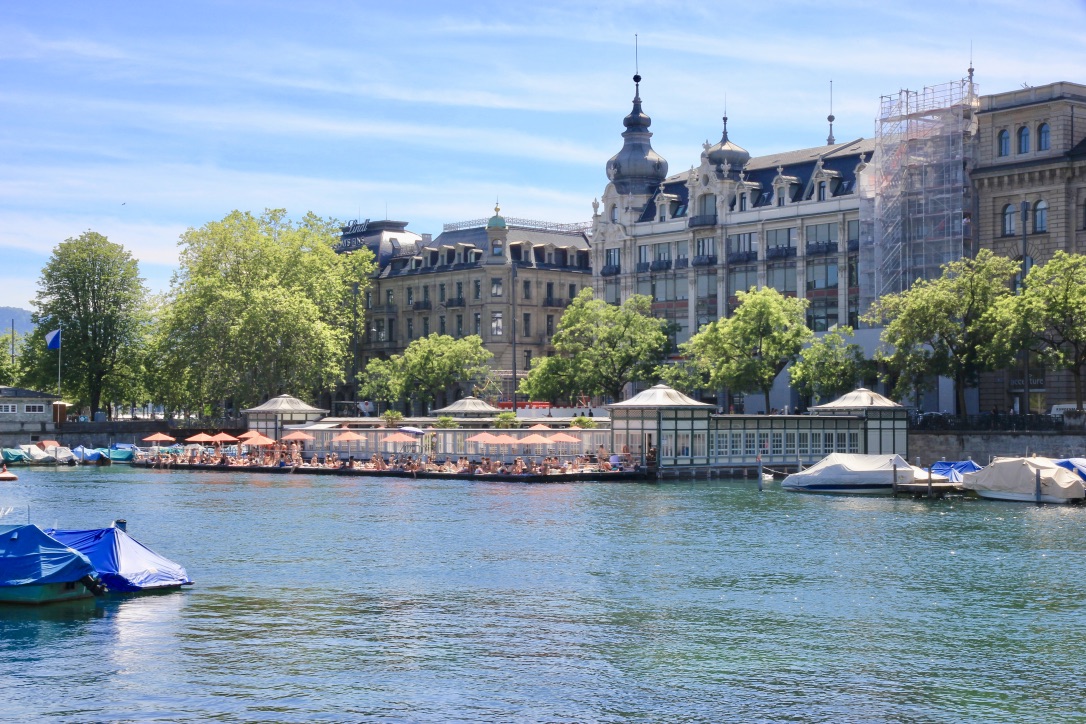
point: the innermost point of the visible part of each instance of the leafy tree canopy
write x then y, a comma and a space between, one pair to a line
746, 351
429, 366
943, 325
829, 367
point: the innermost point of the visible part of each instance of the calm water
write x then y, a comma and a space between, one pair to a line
345, 600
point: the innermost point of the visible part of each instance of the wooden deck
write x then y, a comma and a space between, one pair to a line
924, 489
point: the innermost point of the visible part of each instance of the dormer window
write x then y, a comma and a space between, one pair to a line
614, 213
496, 247
742, 202
821, 191
780, 197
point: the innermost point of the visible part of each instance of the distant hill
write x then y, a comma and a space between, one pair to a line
23, 325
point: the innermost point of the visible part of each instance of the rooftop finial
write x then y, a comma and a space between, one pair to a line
724, 139
830, 139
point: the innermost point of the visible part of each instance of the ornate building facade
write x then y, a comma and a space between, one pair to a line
1030, 185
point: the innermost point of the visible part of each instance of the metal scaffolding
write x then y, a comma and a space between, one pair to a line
920, 204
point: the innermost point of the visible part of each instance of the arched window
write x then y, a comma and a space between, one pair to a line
821, 190
614, 213
1023, 139
1003, 145
1043, 141
1040, 217
1008, 220
742, 202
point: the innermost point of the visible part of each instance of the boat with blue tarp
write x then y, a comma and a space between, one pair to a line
953, 470
124, 564
37, 568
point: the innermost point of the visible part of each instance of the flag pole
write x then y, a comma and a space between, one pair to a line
60, 347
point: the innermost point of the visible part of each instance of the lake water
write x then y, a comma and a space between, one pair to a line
335, 599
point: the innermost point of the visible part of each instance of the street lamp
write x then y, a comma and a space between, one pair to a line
1021, 287
513, 295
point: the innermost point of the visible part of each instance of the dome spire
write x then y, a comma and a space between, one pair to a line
637, 168
830, 139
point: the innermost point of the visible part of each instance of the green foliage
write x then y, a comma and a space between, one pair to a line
585, 423
91, 289
380, 380
1048, 318
606, 346
429, 366
552, 379
259, 307
829, 367
505, 420
746, 351
392, 418
685, 376
445, 422
944, 326
10, 371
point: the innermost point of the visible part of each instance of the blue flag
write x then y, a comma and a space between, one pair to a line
52, 339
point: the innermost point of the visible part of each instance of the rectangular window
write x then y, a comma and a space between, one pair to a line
789, 443
495, 287
705, 246
612, 257
643, 256
495, 324
460, 325
550, 325
369, 300
425, 326
390, 297
822, 274
777, 443
781, 277
459, 290
440, 293
742, 279
739, 243
684, 444
496, 247
477, 324
526, 289
441, 324
667, 445
410, 328
822, 313
742, 202
750, 444
9, 408
379, 325
801, 447
477, 291
526, 330
410, 295
34, 408
699, 445
777, 238
821, 233
527, 359
426, 294
572, 291
661, 252
550, 290
853, 230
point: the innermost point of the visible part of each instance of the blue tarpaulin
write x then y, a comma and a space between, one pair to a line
1075, 465
954, 470
123, 563
29, 557
86, 454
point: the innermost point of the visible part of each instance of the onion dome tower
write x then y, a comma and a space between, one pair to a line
636, 169
726, 152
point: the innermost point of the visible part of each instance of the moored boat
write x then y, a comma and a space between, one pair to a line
36, 568
124, 564
1026, 480
856, 474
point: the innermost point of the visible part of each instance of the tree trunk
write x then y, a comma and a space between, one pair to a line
766, 393
1076, 373
959, 394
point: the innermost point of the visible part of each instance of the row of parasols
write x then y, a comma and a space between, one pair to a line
252, 437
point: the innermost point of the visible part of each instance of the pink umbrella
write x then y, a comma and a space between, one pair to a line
400, 437
563, 437
486, 438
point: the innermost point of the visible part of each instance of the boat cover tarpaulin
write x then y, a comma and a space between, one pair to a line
36, 454
1075, 465
29, 557
123, 563
854, 469
121, 456
1018, 477
87, 454
14, 455
954, 471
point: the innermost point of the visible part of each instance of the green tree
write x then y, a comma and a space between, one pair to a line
91, 290
392, 418
431, 365
505, 420
829, 367
746, 351
262, 306
381, 381
10, 372
686, 376
607, 346
551, 379
1048, 318
944, 325
446, 422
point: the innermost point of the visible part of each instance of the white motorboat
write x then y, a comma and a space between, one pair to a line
1026, 480
856, 474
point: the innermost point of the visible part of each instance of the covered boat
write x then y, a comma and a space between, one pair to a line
953, 471
122, 452
124, 564
856, 474
1027, 480
1075, 465
36, 568
36, 456
14, 455
91, 456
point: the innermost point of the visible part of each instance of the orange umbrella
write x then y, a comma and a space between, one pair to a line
298, 435
349, 436
540, 426
200, 437
159, 437
259, 441
222, 437
535, 439
504, 439
251, 433
400, 437
564, 437
487, 438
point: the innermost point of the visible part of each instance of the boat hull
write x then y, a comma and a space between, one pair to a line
44, 593
843, 488
1024, 497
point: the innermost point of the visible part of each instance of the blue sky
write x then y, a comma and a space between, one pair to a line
138, 119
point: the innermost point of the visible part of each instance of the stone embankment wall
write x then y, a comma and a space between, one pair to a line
98, 434
981, 447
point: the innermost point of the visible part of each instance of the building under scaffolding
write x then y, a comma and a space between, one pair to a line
917, 205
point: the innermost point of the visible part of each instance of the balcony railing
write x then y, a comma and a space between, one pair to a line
682, 262
853, 244
703, 220
780, 252
660, 265
821, 247
740, 257
555, 302
704, 260
455, 302
384, 309
642, 267
611, 270
422, 304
